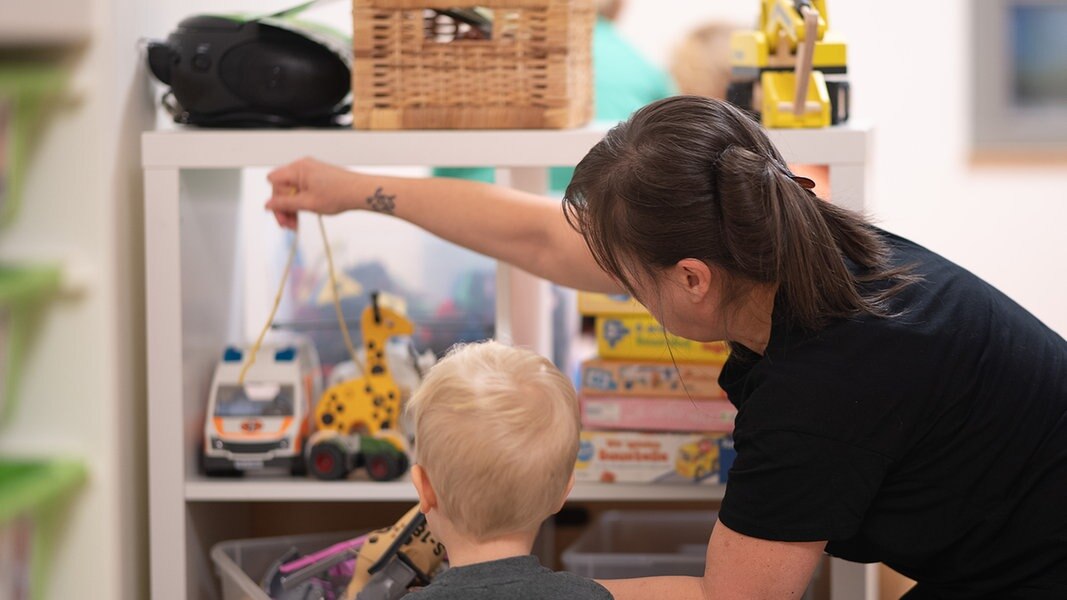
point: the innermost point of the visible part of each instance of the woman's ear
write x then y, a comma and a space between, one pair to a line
427, 496
695, 278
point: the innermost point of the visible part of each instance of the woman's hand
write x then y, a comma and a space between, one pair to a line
310, 185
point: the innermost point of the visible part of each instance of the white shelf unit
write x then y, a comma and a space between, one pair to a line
192, 183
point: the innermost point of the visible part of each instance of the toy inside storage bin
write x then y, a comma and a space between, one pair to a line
439, 64
22, 292
32, 498
24, 87
241, 564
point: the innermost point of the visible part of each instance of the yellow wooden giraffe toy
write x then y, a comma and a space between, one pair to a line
358, 420
370, 403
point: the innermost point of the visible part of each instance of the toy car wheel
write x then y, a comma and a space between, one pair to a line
327, 461
385, 467
700, 474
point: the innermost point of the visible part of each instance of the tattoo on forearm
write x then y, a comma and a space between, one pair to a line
382, 202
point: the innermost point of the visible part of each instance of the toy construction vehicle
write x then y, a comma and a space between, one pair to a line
395, 558
264, 421
791, 70
357, 420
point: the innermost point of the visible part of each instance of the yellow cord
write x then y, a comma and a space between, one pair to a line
337, 300
277, 300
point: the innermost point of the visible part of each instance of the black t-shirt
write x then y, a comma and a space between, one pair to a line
935, 441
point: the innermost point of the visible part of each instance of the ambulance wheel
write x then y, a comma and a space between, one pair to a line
327, 462
739, 93
223, 471
386, 466
839, 101
299, 467
218, 467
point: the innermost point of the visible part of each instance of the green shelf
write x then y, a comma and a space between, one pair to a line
33, 495
23, 293
25, 88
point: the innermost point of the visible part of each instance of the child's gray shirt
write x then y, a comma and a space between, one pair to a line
515, 578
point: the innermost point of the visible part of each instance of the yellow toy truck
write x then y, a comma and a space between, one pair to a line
791, 70
699, 459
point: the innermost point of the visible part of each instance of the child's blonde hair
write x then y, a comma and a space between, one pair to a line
496, 430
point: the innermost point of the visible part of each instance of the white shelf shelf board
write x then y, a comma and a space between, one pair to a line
189, 148
44, 22
283, 489
275, 489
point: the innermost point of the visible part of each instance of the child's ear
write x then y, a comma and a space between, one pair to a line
566, 492
427, 497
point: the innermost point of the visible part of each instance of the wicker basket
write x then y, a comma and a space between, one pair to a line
415, 67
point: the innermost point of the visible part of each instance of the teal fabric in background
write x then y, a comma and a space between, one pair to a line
624, 81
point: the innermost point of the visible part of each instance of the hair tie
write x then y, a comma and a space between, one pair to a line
803, 182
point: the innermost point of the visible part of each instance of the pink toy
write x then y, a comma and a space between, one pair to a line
300, 563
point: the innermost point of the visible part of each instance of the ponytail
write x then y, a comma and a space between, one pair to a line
776, 231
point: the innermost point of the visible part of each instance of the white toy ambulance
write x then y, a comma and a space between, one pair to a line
266, 421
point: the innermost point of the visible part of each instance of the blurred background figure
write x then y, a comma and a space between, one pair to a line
700, 64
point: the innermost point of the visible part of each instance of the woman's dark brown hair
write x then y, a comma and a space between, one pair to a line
693, 177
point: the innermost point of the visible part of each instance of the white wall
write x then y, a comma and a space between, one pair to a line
1003, 222
910, 74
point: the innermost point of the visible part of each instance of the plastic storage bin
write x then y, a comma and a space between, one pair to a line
625, 544
32, 498
241, 564
449, 292
622, 544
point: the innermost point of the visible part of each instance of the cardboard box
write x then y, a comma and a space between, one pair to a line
593, 304
665, 458
657, 414
643, 378
642, 338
